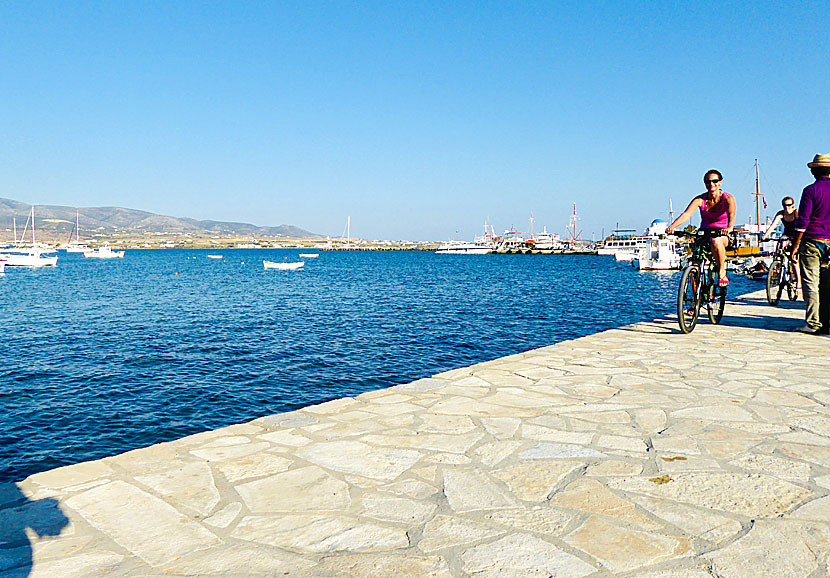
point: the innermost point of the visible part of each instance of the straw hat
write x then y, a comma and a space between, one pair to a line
820, 161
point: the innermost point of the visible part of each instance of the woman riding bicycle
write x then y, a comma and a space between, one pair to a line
787, 216
717, 211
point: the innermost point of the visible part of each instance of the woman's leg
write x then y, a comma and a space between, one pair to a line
719, 252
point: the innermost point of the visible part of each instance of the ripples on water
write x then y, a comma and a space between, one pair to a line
100, 357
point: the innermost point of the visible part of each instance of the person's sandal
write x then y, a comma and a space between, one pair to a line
723, 282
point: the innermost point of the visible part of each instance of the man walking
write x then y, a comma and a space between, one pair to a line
811, 245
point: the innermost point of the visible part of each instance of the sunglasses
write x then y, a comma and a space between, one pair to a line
788, 204
707, 181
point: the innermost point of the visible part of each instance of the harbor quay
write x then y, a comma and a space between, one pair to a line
638, 452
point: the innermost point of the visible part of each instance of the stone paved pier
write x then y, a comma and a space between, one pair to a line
637, 452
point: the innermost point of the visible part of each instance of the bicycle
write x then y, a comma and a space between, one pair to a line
781, 274
699, 283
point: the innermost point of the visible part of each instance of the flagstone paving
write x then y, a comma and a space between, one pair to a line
637, 452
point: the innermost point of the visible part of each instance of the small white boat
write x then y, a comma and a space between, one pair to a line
80, 248
309, 255
27, 257
104, 252
214, 256
660, 254
2, 266
285, 266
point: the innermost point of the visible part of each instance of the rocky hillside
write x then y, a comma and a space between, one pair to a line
118, 220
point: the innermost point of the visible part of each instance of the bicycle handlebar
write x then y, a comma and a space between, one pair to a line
702, 233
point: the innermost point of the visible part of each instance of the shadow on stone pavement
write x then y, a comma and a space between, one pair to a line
17, 515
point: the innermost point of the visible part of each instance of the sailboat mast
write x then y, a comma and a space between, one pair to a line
348, 232
14, 224
531, 226
33, 226
757, 196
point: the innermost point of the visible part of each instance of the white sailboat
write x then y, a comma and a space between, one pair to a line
24, 256
74, 246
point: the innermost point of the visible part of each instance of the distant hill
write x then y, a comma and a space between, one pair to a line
116, 219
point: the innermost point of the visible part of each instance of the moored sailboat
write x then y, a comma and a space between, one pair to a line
24, 256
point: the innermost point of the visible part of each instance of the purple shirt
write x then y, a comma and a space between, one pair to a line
814, 210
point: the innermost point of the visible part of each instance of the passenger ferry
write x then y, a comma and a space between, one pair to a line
623, 242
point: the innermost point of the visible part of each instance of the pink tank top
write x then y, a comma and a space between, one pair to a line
717, 217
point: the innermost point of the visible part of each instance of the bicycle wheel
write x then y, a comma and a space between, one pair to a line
716, 303
774, 279
792, 283
688, 299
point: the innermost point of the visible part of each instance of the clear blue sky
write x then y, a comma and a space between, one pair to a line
418, 119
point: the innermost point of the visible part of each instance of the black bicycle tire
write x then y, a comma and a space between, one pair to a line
685, 313
716, 304
774, 277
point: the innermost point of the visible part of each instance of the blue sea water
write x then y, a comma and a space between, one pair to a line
100, 357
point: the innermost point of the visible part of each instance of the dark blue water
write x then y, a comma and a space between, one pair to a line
99, 357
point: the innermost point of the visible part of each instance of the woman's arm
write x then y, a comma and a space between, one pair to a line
686, 215
772, 225
731, 209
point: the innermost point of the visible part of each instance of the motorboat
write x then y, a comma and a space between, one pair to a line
309, 255
756, 267
480, 246
463, 248
660, 254
284, 266
103, 252
75, 248
214, 256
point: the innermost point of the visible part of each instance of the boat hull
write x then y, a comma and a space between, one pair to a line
29, 260
283, 266
113, 255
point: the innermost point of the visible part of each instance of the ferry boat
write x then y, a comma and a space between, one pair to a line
545, 241
623, 241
